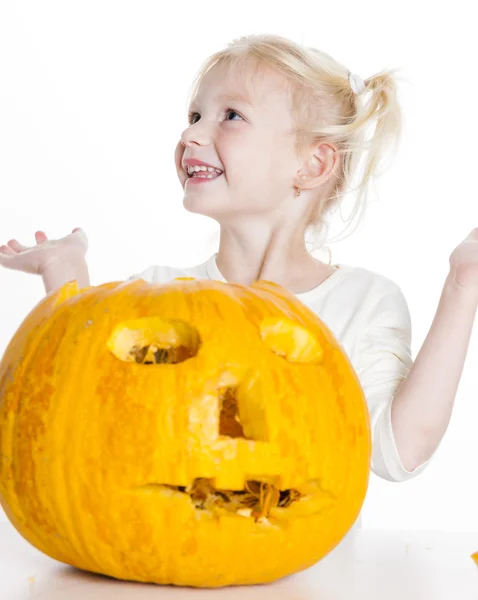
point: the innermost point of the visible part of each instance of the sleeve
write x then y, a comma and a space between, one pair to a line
148, 275
384, 360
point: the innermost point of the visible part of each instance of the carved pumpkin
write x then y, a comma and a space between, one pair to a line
194, 433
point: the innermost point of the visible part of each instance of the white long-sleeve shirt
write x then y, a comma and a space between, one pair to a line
368, 314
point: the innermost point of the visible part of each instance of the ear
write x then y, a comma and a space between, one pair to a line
319, 167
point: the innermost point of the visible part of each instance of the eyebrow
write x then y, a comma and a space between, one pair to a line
231, 98
237, 97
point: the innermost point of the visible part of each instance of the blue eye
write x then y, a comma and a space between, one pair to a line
191, 115
231, 110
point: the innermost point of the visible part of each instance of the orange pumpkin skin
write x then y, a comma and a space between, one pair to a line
97, 450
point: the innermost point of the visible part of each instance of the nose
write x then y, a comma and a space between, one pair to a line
196, 134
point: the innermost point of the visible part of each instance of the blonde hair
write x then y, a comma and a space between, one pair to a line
326, 109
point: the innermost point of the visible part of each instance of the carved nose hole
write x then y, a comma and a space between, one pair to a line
242, 412
153, 340
229, 419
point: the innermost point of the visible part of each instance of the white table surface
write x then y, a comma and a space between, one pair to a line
372, 565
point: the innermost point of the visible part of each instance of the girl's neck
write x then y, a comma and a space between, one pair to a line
260, 252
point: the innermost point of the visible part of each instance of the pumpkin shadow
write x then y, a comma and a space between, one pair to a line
71, 583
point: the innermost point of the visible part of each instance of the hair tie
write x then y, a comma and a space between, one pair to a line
356, 83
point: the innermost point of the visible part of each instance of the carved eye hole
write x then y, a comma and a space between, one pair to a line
290, 340
153, 340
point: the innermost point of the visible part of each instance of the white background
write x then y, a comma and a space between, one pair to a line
93, 98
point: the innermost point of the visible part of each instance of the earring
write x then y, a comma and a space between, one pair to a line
298, 191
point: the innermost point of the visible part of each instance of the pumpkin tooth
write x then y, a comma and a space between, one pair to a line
265, 496
269, 498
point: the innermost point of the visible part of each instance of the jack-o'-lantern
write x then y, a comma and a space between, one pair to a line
191, 433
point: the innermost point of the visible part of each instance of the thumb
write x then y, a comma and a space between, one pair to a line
81, 235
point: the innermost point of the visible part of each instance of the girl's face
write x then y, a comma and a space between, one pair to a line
252, 140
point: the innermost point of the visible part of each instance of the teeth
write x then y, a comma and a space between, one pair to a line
197, 168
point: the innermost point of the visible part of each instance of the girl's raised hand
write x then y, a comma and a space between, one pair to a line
35, 259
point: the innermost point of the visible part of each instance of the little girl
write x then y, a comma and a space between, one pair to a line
276, 132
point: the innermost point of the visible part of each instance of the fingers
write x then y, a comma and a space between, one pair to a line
13, 246
16, 246
5, 250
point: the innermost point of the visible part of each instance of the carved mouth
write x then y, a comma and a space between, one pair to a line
256, 500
